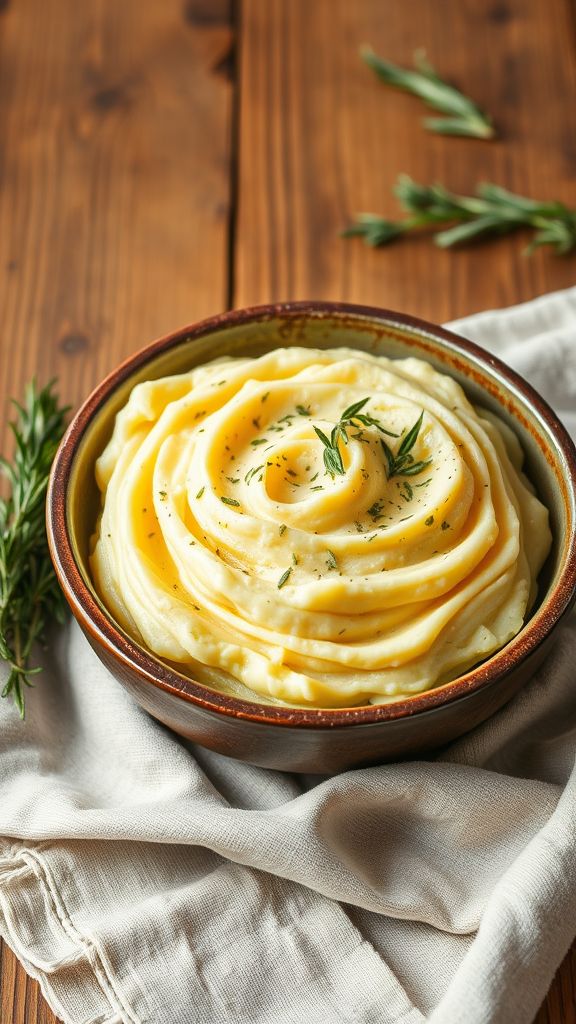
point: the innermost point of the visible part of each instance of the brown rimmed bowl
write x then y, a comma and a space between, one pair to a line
315, 740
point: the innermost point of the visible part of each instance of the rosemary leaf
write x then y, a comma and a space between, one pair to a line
351, 411
414, 468
375, 230
410, 439
284, 578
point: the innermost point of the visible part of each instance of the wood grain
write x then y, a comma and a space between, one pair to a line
322, 138
21, 1001
118, 184
114, 180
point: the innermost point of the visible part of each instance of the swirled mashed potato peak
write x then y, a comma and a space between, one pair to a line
326, 528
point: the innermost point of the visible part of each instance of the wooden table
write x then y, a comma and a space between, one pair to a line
162, 160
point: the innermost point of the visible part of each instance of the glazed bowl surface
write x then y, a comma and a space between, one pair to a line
309, 739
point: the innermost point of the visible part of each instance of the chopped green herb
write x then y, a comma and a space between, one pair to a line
375, 510
429, 521
229, 501
331, 562
200, 493
284, 578
163, 495
259, 440
303, 411
252, 472
445, 526
282, 529
265, 396
294, 559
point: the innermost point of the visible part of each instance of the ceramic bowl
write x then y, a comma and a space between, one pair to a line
315, 740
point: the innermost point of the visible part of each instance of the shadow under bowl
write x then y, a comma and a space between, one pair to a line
309, 739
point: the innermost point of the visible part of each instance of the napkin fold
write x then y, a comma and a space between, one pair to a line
145, 880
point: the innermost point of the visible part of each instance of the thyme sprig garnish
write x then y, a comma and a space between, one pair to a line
402, 463
30, 596
349, 418
464, 117
491, 211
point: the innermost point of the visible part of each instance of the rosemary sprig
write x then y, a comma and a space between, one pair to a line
402, 463
29, 593
464, 117
491, 211
349, 418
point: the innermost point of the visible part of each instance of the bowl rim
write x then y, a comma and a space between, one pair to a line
131, 657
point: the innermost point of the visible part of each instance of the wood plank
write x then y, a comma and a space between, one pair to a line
114, 206
114, 180
21, 1000
559, 1007
322, 138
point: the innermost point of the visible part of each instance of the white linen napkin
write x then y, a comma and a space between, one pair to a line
144, 880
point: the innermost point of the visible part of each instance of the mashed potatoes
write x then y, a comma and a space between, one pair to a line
326, 528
